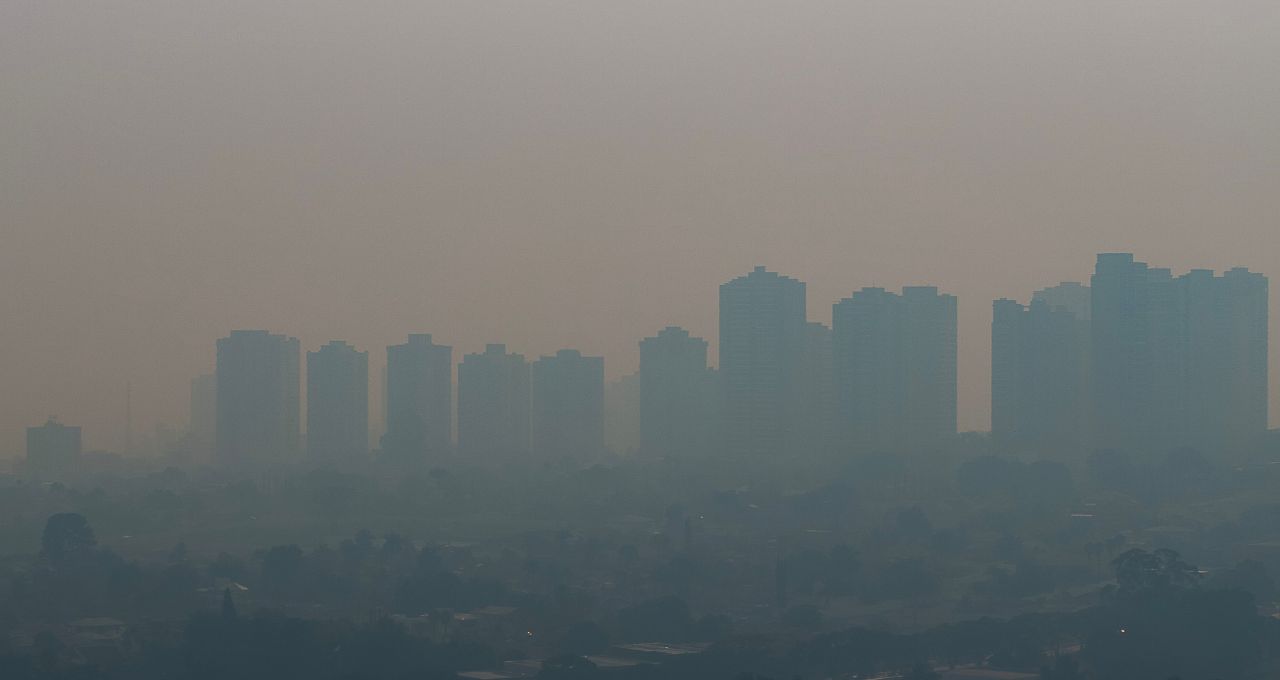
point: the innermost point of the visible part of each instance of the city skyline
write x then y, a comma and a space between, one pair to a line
106, 429
885, 379
160, 193
651, 339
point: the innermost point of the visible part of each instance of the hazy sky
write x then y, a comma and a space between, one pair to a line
582, 174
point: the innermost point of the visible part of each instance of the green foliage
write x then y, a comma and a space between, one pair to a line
67, 536
1139, 571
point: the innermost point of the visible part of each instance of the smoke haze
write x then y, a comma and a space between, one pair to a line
583, 174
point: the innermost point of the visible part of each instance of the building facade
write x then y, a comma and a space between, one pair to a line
258, 400
337, 403
494, 405
568, 406
895, 368
678, 414
1177, 361
762, 339
419, 399
1040, 372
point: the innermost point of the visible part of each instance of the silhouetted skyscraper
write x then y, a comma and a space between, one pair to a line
866, 336
1177, 361
494, 402
1136, 371
568, 406
419, 399
1243, 411
1070, 296
1226, 358
762, 339
52, 449
895, 358
1040, 371
929, 340
677, 395
1120, 363
337, 403
258, 397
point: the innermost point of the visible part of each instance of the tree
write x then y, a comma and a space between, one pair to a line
393, 546
1250, 576
1138, 570
1159, 622
67, 535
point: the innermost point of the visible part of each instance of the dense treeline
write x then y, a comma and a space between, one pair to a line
868, 566
1157, 622
1159, 618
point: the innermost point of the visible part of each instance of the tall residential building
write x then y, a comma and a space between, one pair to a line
419, 399
337, 403
866, 332
203, 415
677, 395
1040, 371
1131, 347
929, 340
568, 406
1177, 361
1226, 358
52, 449
1071, 296
494, 402
1242, 411
762, 339
258, 397
895, 359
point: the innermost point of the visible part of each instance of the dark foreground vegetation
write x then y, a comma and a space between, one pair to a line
893, 567
1156, 621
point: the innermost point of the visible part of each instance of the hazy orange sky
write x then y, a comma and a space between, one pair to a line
582, 174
